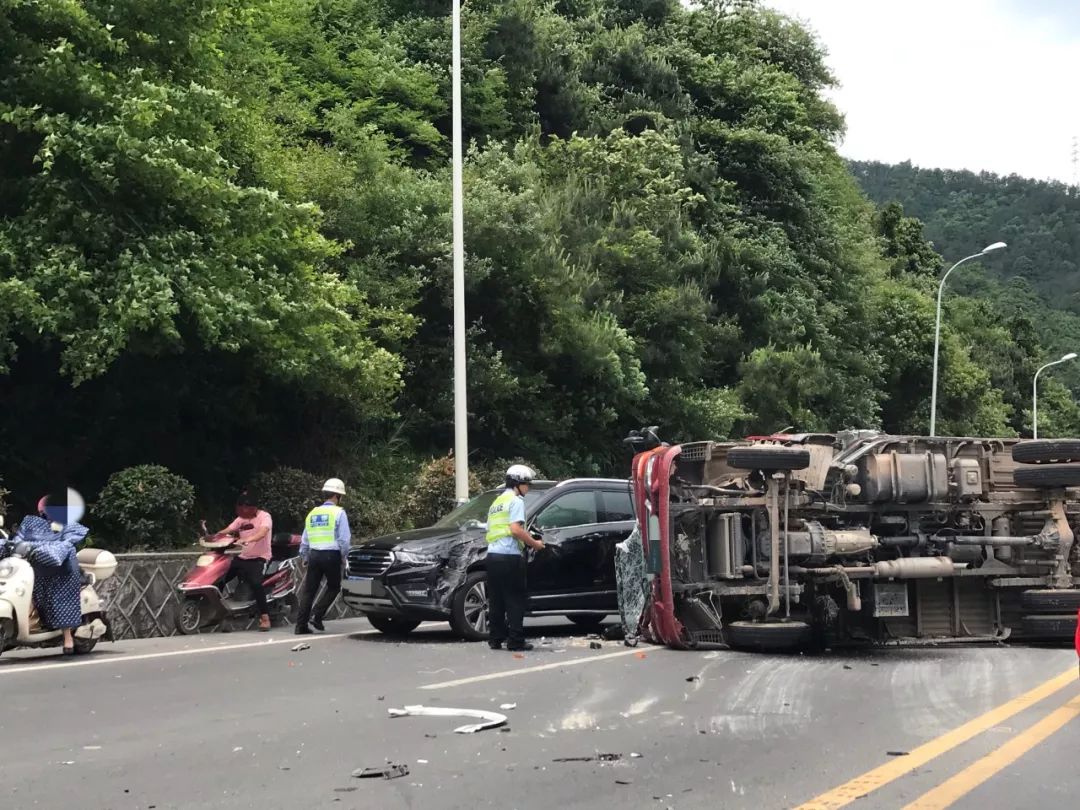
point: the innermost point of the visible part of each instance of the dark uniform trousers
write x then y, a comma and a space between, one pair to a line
506, 598
320, 565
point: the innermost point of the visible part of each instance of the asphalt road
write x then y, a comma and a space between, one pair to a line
242, 721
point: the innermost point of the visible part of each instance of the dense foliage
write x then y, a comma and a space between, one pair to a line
1028, 311
225, 242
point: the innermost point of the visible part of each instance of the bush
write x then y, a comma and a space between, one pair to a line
288, 494
146, 507
432, 495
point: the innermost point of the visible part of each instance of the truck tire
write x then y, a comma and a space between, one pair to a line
1049, 601
773, 636
392, 625
768, 458
468, 609
1048, 476
1049, 628
1046, 451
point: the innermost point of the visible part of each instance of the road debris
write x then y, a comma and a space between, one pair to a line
300, 647
507, 706
595, 645
391, 770
595, 758
896, 753
693, 678
490, 719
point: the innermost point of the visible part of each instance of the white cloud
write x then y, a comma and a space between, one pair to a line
972, 84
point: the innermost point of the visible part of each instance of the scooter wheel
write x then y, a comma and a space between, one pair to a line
191, 618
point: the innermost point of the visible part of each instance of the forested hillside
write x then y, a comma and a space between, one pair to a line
1037, 278
224, 242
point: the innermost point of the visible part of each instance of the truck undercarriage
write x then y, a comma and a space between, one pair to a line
823, 540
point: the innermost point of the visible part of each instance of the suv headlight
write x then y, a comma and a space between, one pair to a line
413, 558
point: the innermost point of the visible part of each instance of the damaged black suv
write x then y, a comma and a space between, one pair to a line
438, 573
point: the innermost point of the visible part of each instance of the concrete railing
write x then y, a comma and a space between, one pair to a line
142, 600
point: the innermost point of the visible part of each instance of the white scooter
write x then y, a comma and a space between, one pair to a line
19, 622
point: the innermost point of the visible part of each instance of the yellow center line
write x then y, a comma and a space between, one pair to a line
949, 791
884, 774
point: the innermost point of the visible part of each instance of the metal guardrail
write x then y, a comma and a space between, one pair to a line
142, 601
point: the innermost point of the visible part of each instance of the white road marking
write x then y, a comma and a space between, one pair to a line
123, 658
509, 673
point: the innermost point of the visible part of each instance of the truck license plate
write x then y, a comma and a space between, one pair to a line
890, 599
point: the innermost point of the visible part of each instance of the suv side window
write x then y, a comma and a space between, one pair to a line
571, 509
616, 507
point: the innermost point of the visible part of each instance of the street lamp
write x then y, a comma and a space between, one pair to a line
461, 428
1035, 392
937, 328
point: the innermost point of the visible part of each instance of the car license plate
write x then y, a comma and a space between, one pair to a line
361, 586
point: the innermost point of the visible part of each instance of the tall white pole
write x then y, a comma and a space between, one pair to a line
461, 427
1035, 393
937, 329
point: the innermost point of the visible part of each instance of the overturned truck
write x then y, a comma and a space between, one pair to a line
797, 541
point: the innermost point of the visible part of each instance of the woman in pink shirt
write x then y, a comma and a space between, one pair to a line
254, 527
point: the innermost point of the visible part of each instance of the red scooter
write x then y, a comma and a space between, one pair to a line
208, 596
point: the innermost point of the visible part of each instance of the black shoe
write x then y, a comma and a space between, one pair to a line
519, 647
495, 645
318, 625
303, 631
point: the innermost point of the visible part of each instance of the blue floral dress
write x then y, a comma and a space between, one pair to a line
57, 578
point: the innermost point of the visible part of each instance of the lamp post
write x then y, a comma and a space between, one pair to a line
461, 427
937, 328
1035, 392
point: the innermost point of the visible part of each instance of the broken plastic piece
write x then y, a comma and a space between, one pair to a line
508, 706
391, 770
490, 719
896, 753
597, 758
595, 645
301, 647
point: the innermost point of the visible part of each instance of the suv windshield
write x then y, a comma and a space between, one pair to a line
477, 509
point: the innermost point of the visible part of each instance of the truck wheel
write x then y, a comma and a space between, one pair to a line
1049, 601
1045, 451
469, 608
768, 458
1049, 627
190, 619
392, 625
773, 636
1048, 476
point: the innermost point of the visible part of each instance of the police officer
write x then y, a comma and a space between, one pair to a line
325, 546
506, 542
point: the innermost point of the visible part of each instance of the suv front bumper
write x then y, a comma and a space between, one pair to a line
404, 591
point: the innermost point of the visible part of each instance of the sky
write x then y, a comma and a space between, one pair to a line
956, 84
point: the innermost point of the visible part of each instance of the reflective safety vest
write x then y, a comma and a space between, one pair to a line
321, 524
498, 522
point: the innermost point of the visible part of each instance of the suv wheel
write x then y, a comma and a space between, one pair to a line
469, 610
392, 625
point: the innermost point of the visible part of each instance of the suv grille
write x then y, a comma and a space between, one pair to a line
368, 562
